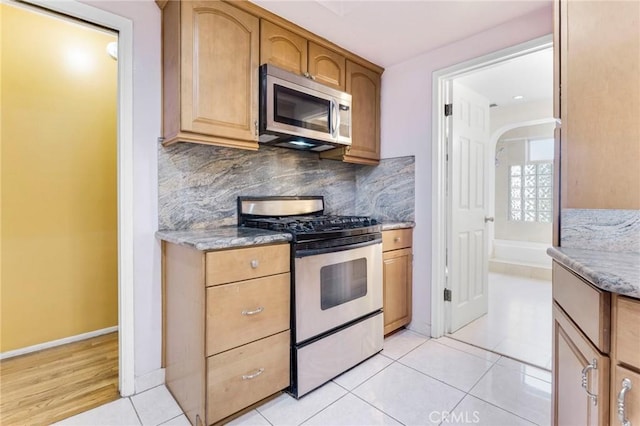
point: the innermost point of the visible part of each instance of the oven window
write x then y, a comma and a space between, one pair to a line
342, 282
300, 109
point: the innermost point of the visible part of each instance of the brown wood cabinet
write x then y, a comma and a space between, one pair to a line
579, 370
226, 336
596, 353
288, 50
211, 53
210, 74
364, 86
598, 101
397, 257
291, 51
283, 48
326, 66
625, 374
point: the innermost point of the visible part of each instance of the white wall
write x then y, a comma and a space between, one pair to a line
406, 128
145, 15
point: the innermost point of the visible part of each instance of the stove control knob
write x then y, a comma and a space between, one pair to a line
255, 264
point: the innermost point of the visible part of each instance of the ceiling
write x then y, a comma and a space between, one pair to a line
530, 76
388, 32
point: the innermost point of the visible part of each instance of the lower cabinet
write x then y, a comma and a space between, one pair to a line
596, 354
580, 376
397, 256
226, 329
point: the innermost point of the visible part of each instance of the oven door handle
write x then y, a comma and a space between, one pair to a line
313, 252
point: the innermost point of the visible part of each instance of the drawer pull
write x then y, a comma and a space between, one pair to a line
254, 375
622, 416
585, 380
396, 240
254, 312
255, 264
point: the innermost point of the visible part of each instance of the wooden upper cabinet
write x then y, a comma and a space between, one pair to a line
282, 48
599, 104
364, 86
210, 74
326, 66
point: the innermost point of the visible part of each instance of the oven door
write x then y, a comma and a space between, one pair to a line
337, 287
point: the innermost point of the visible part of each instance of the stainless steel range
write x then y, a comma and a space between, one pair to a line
336, 285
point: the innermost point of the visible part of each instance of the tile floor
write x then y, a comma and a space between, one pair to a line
413, 381
518, 323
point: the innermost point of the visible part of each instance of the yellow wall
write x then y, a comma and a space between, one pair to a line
58, 179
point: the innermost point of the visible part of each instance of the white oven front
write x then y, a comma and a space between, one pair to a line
335, 288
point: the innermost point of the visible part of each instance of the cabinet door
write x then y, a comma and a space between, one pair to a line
630, 398
396, 303
219, 91
282, 48
577, 361
327, 66
600, 104
364, 87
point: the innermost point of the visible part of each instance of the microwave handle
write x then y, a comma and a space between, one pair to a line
335, 118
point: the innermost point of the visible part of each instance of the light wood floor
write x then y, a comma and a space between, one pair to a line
53, 384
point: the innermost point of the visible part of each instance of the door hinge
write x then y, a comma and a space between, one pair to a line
447, 295
448, 110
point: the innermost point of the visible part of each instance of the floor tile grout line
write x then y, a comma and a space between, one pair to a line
135, 410
440, 380
324, 408
491, 403
172, 418
469, 353
382, 411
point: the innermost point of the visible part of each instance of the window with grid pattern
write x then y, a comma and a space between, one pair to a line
530, 192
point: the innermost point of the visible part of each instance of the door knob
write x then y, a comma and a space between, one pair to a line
488, 219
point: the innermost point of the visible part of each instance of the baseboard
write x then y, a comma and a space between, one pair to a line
424, 328
149, 380
59, 342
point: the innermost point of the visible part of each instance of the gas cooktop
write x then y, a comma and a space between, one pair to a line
303, 224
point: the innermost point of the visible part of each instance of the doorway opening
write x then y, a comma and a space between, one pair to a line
67, 184
492, 207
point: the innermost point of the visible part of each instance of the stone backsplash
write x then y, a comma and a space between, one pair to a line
199, 184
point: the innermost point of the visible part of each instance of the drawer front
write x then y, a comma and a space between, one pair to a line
245, 375
588, 307
628, 331
631, 396
397, 239
246, 311
228, 266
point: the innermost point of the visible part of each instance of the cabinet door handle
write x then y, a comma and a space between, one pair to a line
253, 375
622, 415
254, 312
255, 263
396, 240
585, 380
255, 125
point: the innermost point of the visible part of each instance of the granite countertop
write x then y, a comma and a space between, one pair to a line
388, 225
223, 237
617, 272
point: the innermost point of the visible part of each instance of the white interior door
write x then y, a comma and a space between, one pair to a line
468, 241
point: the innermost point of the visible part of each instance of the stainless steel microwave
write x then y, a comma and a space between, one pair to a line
297, 112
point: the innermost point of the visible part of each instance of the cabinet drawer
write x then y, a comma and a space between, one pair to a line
631, 396
242, 264
396, 239
245, 375
245, 311
628, 331
588, 307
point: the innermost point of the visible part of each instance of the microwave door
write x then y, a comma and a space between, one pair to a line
299, 111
